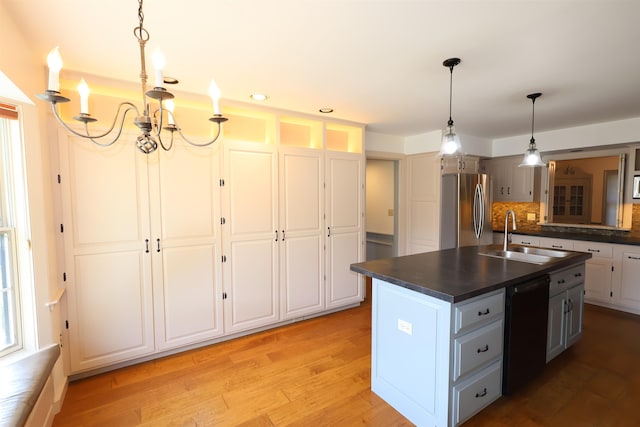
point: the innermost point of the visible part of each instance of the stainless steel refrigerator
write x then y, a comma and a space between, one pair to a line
465, 218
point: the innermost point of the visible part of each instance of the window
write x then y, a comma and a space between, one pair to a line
10, 184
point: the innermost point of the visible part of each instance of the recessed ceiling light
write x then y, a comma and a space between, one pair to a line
326, 110
258, 96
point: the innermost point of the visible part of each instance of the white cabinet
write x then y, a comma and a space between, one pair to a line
138, 237
179, 248
251, 235
599, 270
524, 240
554, 243
459, 164
344, 225
437, 363
185, 246
511, 183
627, 289
566, 301
302, 235
110, 309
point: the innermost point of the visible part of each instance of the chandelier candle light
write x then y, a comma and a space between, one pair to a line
151, 124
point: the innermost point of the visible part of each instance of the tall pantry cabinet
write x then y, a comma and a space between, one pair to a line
197, 244
141, 248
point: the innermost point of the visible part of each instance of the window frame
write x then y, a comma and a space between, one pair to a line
13, 217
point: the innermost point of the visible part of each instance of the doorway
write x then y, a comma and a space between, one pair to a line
610, 197
381, 208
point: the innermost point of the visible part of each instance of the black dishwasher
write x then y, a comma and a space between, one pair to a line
525, 334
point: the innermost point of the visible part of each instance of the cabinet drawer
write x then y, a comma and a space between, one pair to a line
564, 279
472, 350
519, 239
471, 396
598, 250
477, 312
547, 242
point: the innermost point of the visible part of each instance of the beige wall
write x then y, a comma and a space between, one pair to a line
380, 196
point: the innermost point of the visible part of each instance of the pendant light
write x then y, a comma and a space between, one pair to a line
532, 155
450, 141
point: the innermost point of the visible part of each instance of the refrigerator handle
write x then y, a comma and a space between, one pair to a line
478, 211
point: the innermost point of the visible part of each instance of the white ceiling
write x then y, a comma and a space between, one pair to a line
377, 62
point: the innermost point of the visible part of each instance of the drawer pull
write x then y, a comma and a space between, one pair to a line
561, 281
594, 250
525, 243
557, 246
484, 349
579, 274
483, 313
632, 257
483, 393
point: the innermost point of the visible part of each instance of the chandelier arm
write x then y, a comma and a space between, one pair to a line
86, 134
198, 144
167, 148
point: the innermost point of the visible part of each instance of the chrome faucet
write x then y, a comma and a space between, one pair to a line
505, 246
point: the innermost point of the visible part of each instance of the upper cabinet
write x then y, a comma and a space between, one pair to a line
511, 183
459, 164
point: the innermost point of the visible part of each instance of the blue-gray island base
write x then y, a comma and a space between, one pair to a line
438, 330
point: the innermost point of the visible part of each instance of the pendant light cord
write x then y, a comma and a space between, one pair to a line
450, 122
533, 118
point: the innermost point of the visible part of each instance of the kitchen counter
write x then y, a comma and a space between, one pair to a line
454, 275
437, 328
586, 235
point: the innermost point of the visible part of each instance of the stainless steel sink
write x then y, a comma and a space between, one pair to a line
540, 251
516, 255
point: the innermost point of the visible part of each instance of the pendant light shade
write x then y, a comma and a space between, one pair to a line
450, 140
532, 155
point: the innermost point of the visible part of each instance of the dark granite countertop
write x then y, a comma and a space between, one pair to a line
455, 275
587, 234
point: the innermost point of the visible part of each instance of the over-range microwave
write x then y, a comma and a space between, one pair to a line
636, 187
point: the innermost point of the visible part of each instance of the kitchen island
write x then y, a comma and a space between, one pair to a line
438, 329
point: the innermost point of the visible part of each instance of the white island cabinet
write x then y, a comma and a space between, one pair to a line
436, 362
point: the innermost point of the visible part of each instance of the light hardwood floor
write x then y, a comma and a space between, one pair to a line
316, 373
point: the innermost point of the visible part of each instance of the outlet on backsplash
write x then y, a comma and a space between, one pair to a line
531, 216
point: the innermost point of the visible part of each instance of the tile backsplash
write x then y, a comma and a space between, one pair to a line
524, 210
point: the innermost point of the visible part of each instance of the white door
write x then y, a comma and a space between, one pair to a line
251, 235
423, 187
106, 222
344, 227
301, 228
185, 244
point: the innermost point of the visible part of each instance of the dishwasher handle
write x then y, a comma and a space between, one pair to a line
531, 286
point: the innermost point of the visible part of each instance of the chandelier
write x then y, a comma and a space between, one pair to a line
151, 124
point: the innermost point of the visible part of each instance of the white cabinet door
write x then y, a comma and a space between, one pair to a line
556, 325
511, 183
629, 293
106, 221
302, 235
344, 233
186, 245
522, 182
251, 236
597, 281
575, 300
